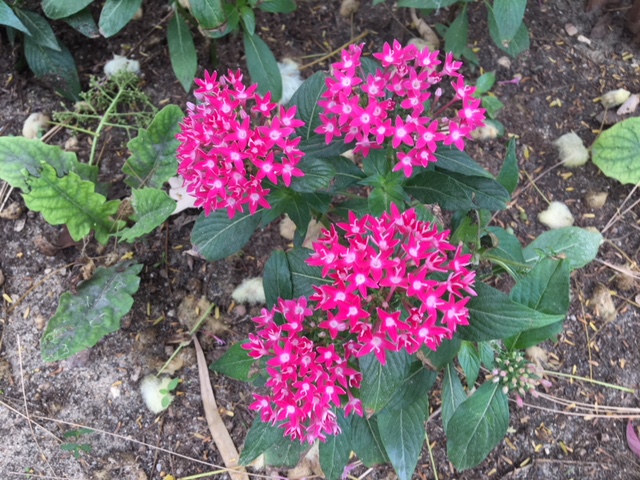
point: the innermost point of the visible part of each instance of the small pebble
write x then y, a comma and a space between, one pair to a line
583, 39
40, 322
504, 62
12, 212
596, 200
571, 29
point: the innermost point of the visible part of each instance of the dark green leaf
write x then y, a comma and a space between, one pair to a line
82, 320
446, 352
84, 23
518, 44
455, 40
40, 30
366, 442
470, 362
452, 159
576, 245
262, 66
493, 316
377, 163
209, 13
506, 250
453, 394
303, 275
182, 51
306, 99
57, 9
318, 174
334, 453
487, 193
153, 151
284, 453
8, 18
261, 436
152, 207
277, 278
315, 146
248, 19
477, 426
235, 363
278, 6
508, 16
509, 173
381, 198
56, 67
347, 173
439, 188
436, 4
116, 14
380, 382
217, 236
485, 82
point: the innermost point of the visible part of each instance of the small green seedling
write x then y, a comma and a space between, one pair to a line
77, 448
166, 392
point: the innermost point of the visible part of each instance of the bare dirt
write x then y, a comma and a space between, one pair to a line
561, 77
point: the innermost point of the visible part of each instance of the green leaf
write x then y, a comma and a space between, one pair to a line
277, 278
57, 9
40, 30
72, 201
285, 453
366, 442
8, 18
469, 360
487, 193
84, 23
477, 426
278, 6
217, 236
262, 66
347, 173
235, 363
506, 251
617, 151
261, 436
21, 158
115, 15
455, 40
152, 207
508, 176
518, 44
318, 174
485, 82
446, 352
377, 163
153, 151
334, 453
380, 382
381, 198
54, 66
508, 16
306, 99
209, 13
436, 4
493, 315
454, 160
315, 146
453, 393
82, 320
182, 51
576, 245
304, 276
285, 200
492, 105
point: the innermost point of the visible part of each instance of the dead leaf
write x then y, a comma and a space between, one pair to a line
349, 7
12, 212
44, 246
632, 439
602, 303
219, 432
425, 31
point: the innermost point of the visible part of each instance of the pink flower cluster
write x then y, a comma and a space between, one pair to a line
398, 284
232, 140
308, 380
390, 106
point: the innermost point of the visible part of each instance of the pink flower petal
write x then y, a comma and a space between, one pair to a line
632, 439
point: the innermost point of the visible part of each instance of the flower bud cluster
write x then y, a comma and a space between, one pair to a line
232, 140
516, 374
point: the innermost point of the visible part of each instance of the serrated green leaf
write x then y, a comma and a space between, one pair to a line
153, 151
617, 151
209, 13
317, 175
493, 315
518, 44
54, 66
182, 51
278, 6
452, 159
453, 393
152, 207
40, 30
22, 157
82, 320
304, 276
235, 363
71, 201
84, 23
57, 9
115, 15
335, 451
380, 382
217, 236
576, 245
509, 174
260, 437
277, 278
262, 66
477, 426
508, 15
8, 18
306, 99
469, 360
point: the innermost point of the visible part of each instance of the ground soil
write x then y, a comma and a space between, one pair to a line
561, 77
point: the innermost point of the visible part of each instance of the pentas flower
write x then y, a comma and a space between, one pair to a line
516, 374
308, 380
232, 140
390, 106
398, 284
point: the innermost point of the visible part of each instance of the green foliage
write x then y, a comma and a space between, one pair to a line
83, 319
509, 173
235, 363
576, 245
151, 208
115, 15
217, 236
277, 278
182, 51
262, 66
617, 151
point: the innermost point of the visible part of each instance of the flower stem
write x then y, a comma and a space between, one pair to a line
589, 380
432, 460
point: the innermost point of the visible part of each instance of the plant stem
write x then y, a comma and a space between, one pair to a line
589, 380
433, 461
204, 475
104, 121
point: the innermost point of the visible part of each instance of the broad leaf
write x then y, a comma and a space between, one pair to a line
116, 14
263, 67
574, 244
508, 16
40, 31
366, 442
518, 44
436, 4
152, 207
71, 201
306, 99
347, 173
248, 19
235, 363
380, 382
484, 83
8, 18
82, 320
477, 426
209, 13
277, 278
509, 174
84, 23
57, 9
304, 276
278, 6
284, 453
334, 453
455, 40
294, 204
56, 67
454, 160
469, 360
453, 394
446, 352
381, 198
153, 151
261, 436
506, 251
493, 315
318, 174
182, 51
617, 151
217, 236
315, 146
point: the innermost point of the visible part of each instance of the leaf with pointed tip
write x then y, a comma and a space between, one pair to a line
152, 207
116, 14
8, 18
182, 51
217, 236
263, 67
